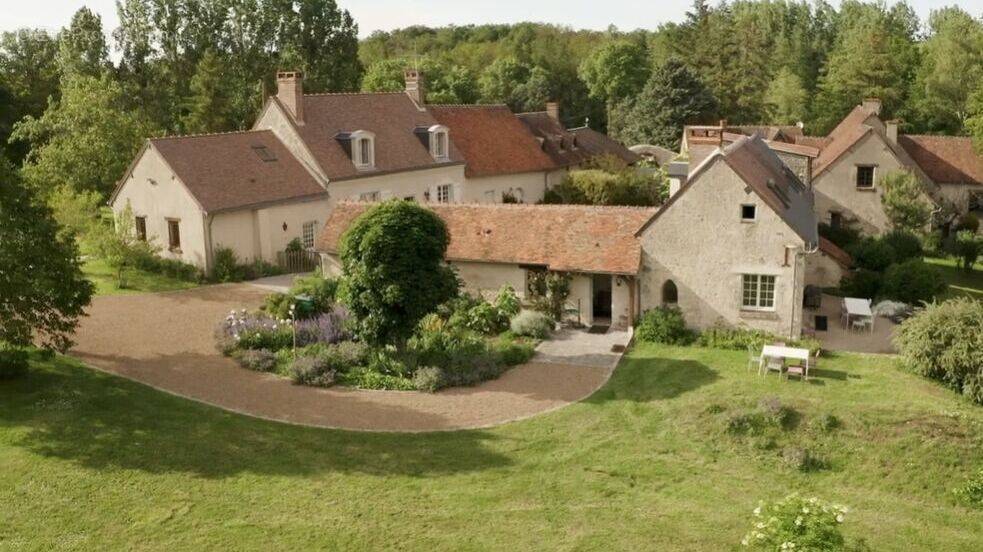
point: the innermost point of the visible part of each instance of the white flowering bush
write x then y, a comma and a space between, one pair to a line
796, 523
243, 330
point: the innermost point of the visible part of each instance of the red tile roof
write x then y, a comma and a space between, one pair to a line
573, 238
392, 117
492, 140
835, 252
226, 171
597, 143
945, 159
850, 130
557, 141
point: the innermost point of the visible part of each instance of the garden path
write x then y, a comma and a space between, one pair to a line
165, 340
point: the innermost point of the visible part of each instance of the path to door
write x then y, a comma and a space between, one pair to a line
166, 341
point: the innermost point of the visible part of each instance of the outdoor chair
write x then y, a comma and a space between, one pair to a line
797, 368
860, 324
774, 365
753, 358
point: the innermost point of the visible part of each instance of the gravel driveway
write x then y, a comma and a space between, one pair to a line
166, 341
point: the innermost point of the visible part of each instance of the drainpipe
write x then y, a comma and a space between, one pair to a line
209, 253
809, 249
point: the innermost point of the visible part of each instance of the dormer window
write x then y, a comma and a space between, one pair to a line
363, 149
439, 144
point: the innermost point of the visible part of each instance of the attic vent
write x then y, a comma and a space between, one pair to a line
264, 153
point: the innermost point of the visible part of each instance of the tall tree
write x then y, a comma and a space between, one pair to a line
787, 99
324, 40
208, 105
82, 48
85, 140
616, 70
951, 68
672, 97
28, 77
974, 121
42, 289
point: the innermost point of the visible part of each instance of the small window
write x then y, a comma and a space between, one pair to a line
409, 198
264, 153
140, 225
444, 193
670, 293
749, 212
369, 196
174, 234
865, 177
364, 151
835, 219
307, 234
758, 292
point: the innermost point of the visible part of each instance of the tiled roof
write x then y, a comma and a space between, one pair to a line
945, 159
778, 145
850, 130
818, 142
661, 155
574, 238
835, 252
238, 169
392, 117
492, 140
768, 132
597, 143
557, 141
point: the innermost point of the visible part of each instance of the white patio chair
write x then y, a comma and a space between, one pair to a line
753, 359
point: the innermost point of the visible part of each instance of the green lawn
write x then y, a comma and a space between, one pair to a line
91, 461
137, 281
960, 282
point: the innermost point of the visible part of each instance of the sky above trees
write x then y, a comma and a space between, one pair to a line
373, 15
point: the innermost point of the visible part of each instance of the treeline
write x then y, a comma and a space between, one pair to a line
73, 116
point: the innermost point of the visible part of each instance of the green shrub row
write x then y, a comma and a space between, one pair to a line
668, 326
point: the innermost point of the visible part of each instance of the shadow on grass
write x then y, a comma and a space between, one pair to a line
63, 410
643, 379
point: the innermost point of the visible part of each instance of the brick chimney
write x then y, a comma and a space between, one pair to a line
290, 92
872, 106
416, 86
892, 130
553, 110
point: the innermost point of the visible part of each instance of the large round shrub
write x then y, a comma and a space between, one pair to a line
873, 254
862, 283
312, 370
905, 245
532, 324
394, 271
797, 523
945, 342
663, 325
912, 282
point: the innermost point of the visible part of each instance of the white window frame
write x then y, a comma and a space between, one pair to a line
358, 158
754, 294
445, 192
440, 136
308, 229
753, 206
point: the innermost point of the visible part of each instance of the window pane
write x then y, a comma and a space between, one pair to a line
767, 297
308, 234
750, 290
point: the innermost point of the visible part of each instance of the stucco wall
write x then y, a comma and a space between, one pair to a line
958, 194
405, 184
154, 191
823, 271
621, 302
701, 245
581, 294
486, 279
799, 164
532, 186
836, 188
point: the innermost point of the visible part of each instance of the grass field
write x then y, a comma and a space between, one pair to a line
91, 461
137, 281
960, 282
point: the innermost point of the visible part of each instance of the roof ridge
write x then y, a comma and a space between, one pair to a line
208, 134
553, 206
359, 93
937, 136
467, 105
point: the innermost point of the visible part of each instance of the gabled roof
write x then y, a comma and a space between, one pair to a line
392, 117
237, 169
761, 169
597, 143
945, 159
573, 238
778, 145
492, 140
851, 129
559, 143
785, 133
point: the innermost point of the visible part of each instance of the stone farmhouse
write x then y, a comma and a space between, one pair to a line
749, 217
257, 190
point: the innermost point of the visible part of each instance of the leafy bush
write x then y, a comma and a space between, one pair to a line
349, 354
843, 236
906, 245
944, 342
932, 243
328, 327
13, 361
312, 370
320, 289
796, 523
968, 221
259, 360
663, 325
386, 363
366, 378
429, 379
549, 291
294, 246
278, 305
172, 268
721, 337
507, 302
966, 247
513, 353
873, 254
912, 282
449, 349
225, 266
486, 318
607, 186
972, 492
532, 324
242, 330
862, 283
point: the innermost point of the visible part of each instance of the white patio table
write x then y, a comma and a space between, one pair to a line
777, 351
858, 308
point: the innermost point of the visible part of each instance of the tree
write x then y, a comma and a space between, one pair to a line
28, 77
324, 40
499, 80
616, 70
82, 48
208, 106
85, 140
966, 248
974, 122
786, 99
622, 186
951, 69
672, 97
446, 84
117, 243
904, 201
42, 289
394, 272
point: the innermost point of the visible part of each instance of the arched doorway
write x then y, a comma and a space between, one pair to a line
670, 294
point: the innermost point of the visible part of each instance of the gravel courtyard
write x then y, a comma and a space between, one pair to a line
166, 341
